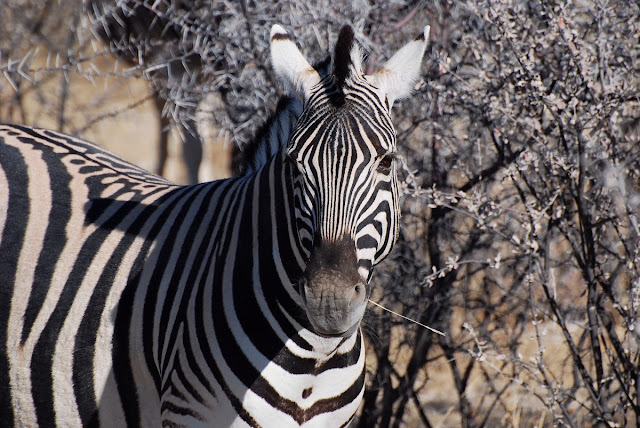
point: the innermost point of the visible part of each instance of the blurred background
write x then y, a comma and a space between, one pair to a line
519, 173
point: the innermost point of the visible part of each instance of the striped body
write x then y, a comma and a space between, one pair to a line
139, 272
128, 300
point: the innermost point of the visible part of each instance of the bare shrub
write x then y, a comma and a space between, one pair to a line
521, 236
521, 181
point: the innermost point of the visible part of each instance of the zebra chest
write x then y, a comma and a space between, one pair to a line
292, 388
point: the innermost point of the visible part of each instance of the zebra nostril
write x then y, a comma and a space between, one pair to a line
359, 294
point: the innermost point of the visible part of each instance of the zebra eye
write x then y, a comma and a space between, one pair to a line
295, 162
384, 165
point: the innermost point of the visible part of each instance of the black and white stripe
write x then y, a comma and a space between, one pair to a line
128, 300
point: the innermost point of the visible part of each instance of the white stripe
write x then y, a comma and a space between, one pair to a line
19, 357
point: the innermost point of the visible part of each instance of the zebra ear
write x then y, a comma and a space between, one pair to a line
398, 76
289, 64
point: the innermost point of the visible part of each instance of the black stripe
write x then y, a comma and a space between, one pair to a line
190, 286
284, 222
15, 169
271, 396
95, 154
193, 367
220, 194
177, 410
280, 36
120, 356
253, 321
342, 55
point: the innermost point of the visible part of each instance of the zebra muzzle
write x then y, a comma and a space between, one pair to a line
333, 293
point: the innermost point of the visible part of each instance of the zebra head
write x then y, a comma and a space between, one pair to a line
341, 155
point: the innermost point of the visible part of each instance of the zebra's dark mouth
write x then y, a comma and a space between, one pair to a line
346, 333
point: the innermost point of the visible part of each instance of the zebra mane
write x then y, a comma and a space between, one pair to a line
270, 138
347, 57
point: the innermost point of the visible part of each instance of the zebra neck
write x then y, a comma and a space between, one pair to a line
268, 237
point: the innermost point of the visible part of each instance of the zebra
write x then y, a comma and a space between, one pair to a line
126, 299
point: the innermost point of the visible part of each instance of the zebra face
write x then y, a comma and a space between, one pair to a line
341, 158
342, 155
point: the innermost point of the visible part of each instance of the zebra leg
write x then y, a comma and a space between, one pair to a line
191, 150
163, 143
